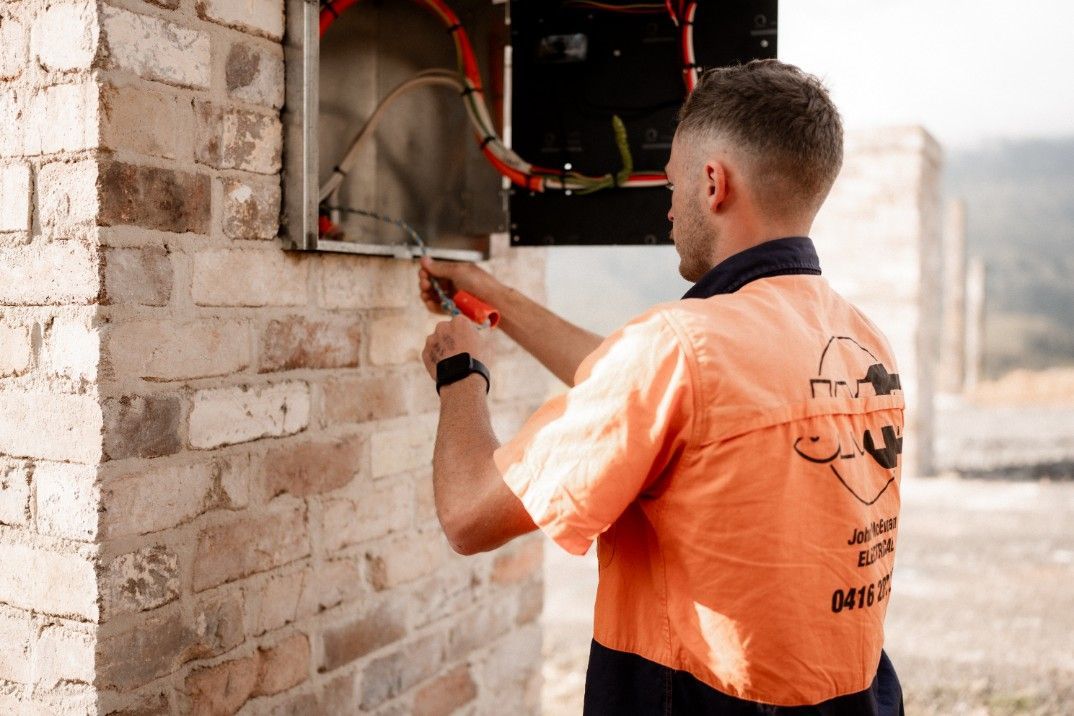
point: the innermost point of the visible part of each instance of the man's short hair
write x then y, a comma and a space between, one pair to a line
784, 122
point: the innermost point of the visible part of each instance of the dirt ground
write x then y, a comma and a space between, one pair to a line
981, 620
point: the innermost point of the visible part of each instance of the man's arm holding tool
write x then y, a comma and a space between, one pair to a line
558, 344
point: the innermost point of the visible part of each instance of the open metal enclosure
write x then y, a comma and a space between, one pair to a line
422, 165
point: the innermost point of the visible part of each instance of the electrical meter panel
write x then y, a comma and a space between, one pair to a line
577, 64
431, 124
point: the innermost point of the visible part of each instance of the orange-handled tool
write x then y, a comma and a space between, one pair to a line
475, 309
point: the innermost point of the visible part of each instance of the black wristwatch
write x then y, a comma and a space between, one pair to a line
457, 367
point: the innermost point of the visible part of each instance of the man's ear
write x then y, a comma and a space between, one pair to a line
715, 185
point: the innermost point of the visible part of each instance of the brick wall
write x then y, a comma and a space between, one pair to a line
215, 490
880, 239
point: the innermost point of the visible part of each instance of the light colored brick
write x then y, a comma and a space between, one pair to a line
63, 654
62, 118
140, 276
298, 342
398, 339
274, 603
14, 491
249, 278
123, 121
10, 115
225, 416
12, 49
356, 282
55, 273
154, 198
228, 138
14, 197
376, 513
72, 348
141, 426
67, 195
255, 74
156, 49
168, 350
408, 448
359, 400
64, 36
51, 426
15, 350
154, 499
346, 642
261, 17
16, 636
404, 560
48, 582
313, 467
251, 208
335, 581
479, 627
67, 499
254, 544
139, 580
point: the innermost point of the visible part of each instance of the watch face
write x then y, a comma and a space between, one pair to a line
454, 367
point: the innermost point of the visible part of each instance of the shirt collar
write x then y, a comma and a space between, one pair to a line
778, 257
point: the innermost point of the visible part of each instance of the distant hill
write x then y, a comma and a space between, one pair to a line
1020, 220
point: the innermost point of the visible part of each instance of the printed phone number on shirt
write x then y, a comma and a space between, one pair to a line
861, 597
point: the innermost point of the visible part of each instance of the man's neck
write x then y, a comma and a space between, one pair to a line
746, 237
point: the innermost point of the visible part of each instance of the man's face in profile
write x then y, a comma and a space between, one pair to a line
693, 236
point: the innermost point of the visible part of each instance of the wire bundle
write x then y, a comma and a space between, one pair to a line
468, 82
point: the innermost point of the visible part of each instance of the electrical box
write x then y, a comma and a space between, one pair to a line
478, 117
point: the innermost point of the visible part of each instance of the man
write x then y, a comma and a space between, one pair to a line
735, 454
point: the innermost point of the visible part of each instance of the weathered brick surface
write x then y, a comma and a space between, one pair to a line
15, 350
378, 512
63, 654
398, 339
153, 198
50, 426
141, 426
156, 49
275, 601
139, 580
297, 342
66, 195
71, 347
58, 272
315, 466
225, 416
167, 640
138, 276
249, 278
158, 351
242, 547
153, 499
237, 139
448, 692
518, 562
346, 642
124, 125
13, 40
262, 17
15, 491
62, 584
404, 560
14, 197
284, 665
403, 449
222, 689
62, 118
64, 37
388, 676
66, 500
251, 208
16, 638
359, 400
358, 282
255, 74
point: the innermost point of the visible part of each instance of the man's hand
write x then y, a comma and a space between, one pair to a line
459, 335
453, 277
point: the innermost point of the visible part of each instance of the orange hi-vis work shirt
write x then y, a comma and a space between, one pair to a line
737, 459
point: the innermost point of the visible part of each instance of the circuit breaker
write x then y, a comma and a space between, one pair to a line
432, 124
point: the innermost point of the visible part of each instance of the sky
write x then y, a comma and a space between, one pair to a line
967, 71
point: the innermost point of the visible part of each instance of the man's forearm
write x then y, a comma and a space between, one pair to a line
557, 343
476, 508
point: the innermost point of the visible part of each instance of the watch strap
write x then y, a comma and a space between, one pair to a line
461, 365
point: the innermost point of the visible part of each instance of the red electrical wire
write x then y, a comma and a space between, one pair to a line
332, 9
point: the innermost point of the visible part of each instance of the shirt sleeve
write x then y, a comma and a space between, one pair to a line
586, 454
